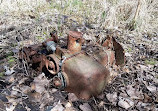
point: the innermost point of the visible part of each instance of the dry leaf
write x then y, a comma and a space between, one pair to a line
85, 107
22, 80
10, 78
101, 104
147, 98
133, 93
112, 97
2, 106
35, 96
26, 42
58, 107
125, 103
39, 83
128, 54
69, 107
152, 88
11, 107
25, 89
68, 104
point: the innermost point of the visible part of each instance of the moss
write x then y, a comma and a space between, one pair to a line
150, 61
45, 33
39, 38
11, 60
129, 49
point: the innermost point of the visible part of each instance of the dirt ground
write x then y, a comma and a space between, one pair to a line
135, 88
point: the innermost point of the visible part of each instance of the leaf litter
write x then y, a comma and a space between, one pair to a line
134, 88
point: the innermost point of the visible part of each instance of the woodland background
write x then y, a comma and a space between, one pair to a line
134, 23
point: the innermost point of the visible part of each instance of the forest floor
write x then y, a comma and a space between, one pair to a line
135, 88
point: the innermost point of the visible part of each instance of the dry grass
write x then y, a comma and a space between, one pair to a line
108, 14
17, 29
